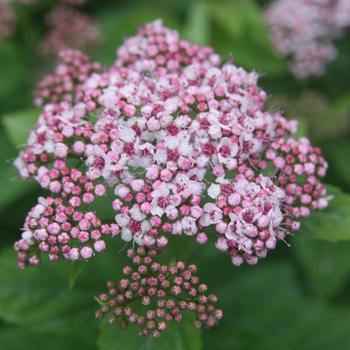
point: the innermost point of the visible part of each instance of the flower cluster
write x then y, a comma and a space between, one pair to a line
247, 214
59, 230
61, 86
7, 19
183, 145
8, 16
305, 30
158, 49
69, 28
163, 292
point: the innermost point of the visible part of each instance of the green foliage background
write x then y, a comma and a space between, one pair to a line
297, 298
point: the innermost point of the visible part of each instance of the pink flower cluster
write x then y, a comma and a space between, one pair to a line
7, 19
61, 231
70, 74
177, 144
69, 28
164, 293
8, 16
182, 142
304, 30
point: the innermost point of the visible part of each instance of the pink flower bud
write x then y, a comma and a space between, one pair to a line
100, 246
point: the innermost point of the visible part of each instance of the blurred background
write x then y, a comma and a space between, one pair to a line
297, 298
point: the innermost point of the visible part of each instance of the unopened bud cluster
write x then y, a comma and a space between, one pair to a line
151, 295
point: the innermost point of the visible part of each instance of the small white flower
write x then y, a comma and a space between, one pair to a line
156, 210
126, 235
122, 219
189, 226
215, 131
38, 210
136, 214
127, 134
27, 236
214, 191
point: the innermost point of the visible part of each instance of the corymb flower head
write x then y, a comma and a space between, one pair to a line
182, 145
304, 30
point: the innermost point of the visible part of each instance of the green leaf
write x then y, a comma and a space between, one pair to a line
12, 69
14, 185
19, 124
76, 269
302, 130
103, 206
179, 336
343, 103
17, 127
265, 309
39, 298
326, 266
337, 152
247, 39
197, 28
19, 338
331, 224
